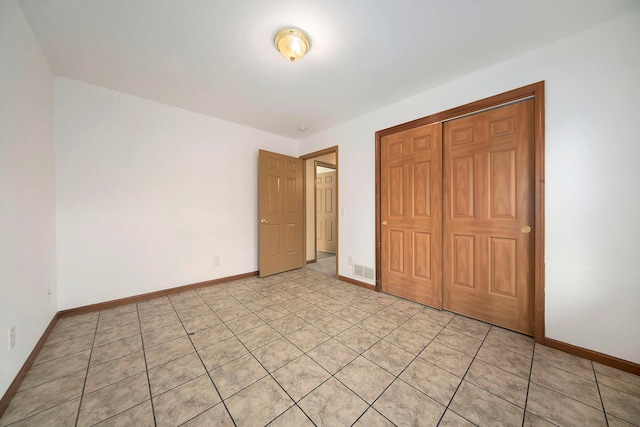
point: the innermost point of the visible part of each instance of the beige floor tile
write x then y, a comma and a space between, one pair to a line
156, 310
307, 338
377, 326
117, 311
403, 405
288, 324
409, 341
300, 376
617, 422
314, 297
621, 405
370, 306
175, 373
332, 355
46, 396
458, 341
451, 419
229, 313
508, 386
407, 306
357, 339
105, 323
116, 349
332, 305
162, 334
258, 404
447, 358
277, 354
272, 313
295, 304
531, 420
244, 323
60, 349
509, 340
237, 374
113, 399
77, 320
560, 409
352, 314
565, 361
506, 360
435, 382
292, 417
216, 416
422, 327
222, 353
63, 415
373, 418
114, 371
332, 325
201, 309
483, 408
393, 316
195, 324
388, 356
574, 386
63, 334
163, 319
139, 416
615, 378
54, 369
332, 404
471, 327
184, 402
258, 337
168, 351
439, 317
365, 378
210, 336
114, 334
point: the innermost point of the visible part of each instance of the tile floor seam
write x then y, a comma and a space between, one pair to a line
144, 354
526, 397
466, 371
604, 410
222, 401
86, 375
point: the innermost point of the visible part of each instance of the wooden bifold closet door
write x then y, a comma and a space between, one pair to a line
457, 211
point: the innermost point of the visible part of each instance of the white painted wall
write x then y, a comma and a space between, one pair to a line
27, 191
592, 177
149, 194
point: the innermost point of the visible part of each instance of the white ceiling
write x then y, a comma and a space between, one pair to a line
217, 57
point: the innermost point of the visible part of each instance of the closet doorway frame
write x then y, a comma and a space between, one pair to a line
535, 91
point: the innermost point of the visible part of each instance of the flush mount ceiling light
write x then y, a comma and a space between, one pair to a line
292, 43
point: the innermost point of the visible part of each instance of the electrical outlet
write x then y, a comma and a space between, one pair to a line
216, 260
350, 261
12, 337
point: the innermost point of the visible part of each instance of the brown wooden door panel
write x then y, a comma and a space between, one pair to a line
411, 201
488, 199
280, 213
326, 212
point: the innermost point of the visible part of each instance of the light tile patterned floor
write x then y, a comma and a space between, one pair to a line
302, 348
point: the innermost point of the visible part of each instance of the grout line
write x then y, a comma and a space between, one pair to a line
84, 384
526, 397
146, 368
604, 411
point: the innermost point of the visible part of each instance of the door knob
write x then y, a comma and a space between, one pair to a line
384, 222
526, 229
264, 221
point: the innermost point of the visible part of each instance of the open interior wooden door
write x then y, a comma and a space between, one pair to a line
411, 214
280, 213
326, 212
488, 216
